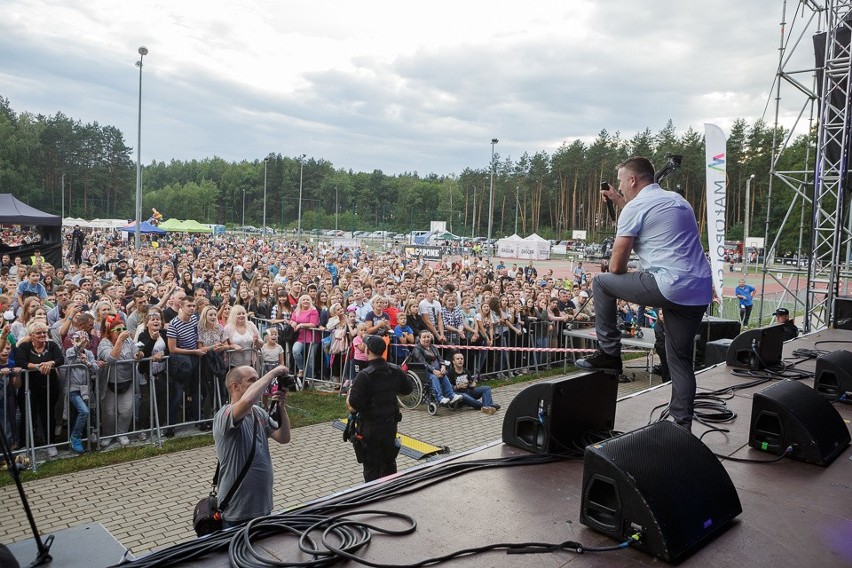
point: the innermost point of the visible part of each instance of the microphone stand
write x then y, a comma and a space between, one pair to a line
43, 556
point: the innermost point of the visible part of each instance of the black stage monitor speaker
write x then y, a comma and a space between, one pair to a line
843, 313
713, 329
792, 415
757, 348
834, 376
661, 482
716, 351
555, 416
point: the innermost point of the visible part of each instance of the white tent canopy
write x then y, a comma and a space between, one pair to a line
107, 223
72, 221
534, 248
508, 246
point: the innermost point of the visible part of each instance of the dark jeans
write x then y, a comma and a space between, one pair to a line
177, 394
745, 313
681, 326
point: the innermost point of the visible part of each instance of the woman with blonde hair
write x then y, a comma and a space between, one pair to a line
41, 358
304, 319
18, 329
244, 338
211, 338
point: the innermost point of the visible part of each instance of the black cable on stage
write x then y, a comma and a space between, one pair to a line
749, 460
298, 520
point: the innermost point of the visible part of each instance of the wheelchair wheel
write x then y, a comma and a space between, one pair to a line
413, 399
432, 409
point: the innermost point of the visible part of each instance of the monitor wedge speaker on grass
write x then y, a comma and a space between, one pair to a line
833, 378
791, 415
556, 416
659, 481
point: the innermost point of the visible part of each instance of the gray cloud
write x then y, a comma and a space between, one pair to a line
433, 109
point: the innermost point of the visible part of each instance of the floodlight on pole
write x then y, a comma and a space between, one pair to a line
491, 194
265, 163
746, 223
143, 51
301, 173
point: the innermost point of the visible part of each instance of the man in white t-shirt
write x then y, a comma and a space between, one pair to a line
430, 309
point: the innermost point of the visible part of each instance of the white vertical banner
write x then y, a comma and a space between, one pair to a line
717, 200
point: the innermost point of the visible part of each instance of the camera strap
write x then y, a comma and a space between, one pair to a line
241, 476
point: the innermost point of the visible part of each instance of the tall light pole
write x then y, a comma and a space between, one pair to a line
473, 216
301, 172
517, 203
244, 208
745, 223
265, 163
336, 207
491, 196
143, 51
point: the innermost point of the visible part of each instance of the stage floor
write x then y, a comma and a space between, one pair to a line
794, 513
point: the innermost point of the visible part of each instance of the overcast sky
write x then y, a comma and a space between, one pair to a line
398, 86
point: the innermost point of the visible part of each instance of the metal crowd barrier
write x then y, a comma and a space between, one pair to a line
144, 410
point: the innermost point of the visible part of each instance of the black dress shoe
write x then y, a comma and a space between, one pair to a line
600, 361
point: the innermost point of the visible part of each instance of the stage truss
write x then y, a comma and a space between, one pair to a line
822, 191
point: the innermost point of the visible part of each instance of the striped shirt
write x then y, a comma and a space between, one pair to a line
184, 332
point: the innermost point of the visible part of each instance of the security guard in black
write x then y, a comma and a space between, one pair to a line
373, 396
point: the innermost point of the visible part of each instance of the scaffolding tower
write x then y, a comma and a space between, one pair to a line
822, 89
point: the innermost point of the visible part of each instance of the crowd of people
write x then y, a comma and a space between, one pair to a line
113, 329
131, 339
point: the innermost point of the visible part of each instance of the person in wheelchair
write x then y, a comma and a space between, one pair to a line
426, 354
473, 395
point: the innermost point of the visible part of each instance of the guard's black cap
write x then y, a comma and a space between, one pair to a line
375, 344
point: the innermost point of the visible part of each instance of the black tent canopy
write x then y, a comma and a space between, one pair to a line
14, 212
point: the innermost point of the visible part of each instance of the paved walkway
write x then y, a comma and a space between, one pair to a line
147, 504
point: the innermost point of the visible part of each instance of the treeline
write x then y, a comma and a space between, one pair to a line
551, 194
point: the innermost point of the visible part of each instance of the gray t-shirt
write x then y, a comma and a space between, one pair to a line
233, 442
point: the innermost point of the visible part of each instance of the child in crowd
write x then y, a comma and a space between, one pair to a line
403, 335
81, 365
360, 357
273, 355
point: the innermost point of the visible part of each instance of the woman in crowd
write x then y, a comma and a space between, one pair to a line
152, 343
18, 328
426, 354
41, 358
244, 297
415, 320
212, 338
217, 294
118, 351
186, 283
262, 303
243, 337
223, 313
102, 309
303, 320
485, 323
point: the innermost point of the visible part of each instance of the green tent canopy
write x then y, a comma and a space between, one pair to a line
171, 224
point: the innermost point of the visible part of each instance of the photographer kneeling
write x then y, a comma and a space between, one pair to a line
234, 438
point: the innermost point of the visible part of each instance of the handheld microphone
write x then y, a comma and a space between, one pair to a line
610, 208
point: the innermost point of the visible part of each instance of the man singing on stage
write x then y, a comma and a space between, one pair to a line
660, 227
